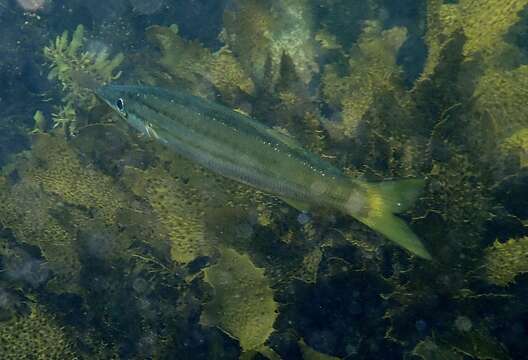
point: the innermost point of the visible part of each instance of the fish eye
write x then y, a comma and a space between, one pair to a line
120, 104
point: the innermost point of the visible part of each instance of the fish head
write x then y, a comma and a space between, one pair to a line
122, 99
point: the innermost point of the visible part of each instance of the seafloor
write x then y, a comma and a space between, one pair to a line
113, 247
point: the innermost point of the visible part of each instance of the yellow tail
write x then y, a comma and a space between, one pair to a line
382, 201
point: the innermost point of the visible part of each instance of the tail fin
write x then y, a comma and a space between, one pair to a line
387, 198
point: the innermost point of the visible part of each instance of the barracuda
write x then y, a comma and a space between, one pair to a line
242, 149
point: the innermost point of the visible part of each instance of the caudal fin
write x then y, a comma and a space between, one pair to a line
387, 198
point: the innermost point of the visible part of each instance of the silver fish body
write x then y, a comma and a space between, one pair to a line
229, 143
238, 147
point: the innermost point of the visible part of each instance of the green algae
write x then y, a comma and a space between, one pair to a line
484, 23
160, 219
517, 144
40, 122
261, 32
62, 173
503, 262
78, 71
372, 69
36, 336
501, 95
243, 305
196, 67
310, 266
69, 61
39, 228
180, 212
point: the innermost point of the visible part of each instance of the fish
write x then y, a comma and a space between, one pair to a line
239, 147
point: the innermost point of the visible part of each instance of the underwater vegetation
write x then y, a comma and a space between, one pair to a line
111, 247
265, 31
78, 71
504, 261
39, 332
371, 71
188, 62
248, 317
